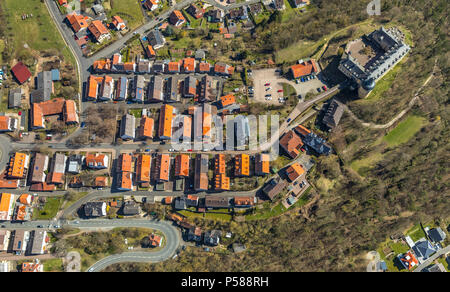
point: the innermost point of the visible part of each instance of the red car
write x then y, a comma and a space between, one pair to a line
324, 88
20, 113
190, 150
280, 90
267, 84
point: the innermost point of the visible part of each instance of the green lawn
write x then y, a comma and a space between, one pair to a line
38, 32
53, 265
362, 165
384, 83
404, 131
75, 198
50, 209
397, 248
128, 10
416, 233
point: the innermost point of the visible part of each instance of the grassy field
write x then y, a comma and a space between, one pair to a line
2, 47
38, 32
50, 209
53, 265
129, 10
75, 198
404, 131
361, 165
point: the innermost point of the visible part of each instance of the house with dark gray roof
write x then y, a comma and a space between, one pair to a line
172, 94
156, 39
180, 203
94, 209
333, 114
156, 89
212, 237
436, 235
122, 88
38, 242
158, 66
423, 249
435, 268
15, 97
44, 87
130, 208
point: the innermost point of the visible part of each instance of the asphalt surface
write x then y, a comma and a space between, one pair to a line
172, 237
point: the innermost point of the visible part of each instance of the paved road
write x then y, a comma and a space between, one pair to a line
430, 260
171, 234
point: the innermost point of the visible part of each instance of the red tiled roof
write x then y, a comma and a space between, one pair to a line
303, 69
21, 72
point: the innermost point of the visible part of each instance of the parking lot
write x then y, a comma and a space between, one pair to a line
269, 76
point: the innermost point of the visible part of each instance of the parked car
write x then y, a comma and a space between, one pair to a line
288, 120
324, 87
280, 90
267, 84
318, 89
147, 150
268, 88
82, 124
268, 95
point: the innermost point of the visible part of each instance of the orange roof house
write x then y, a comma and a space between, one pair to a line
409, 260
32, 267
96, 161
291, 143
302, 130
176, 18
6, 206
18, 165
227, 100
165, 122
20, 213
221, 182
78, 22
182, 162
219, 164
70, 112
189, 65
151, 4
51, 107
25, 199
118, 22
125, 181
5, 124
150, 52
98, 30
304, 69
143, 166
62, 2
242, 165
146, 128
37, 121
124, 162
262, 165
161, 170
244, 201
101, 181
187, 128
204, 67
155, 240
173, 67
93, 87
294, 171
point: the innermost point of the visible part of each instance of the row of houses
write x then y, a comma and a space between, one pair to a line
300, 138
194, 233
210, 202
144, 66
156, 89
19, 242
15, 207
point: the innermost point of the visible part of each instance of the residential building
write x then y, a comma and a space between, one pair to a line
255, 8
436, 235
21, 72
262, 164
18, 165
39, 242
190, 87
155, 240
151, 4
98, 31
166, 116
435, 268
161, 171
242, 165
227, 100
159, 67
216, 15
7, 203
125, 181
94, 209
150, 52
243, 202
128, 127
195, 11
101, 182
97, 161
122, 88
212, 237
408, 260
172, 90
44, 87
180, 203
204, 67
143, 167
35, 266
182, 164
188, 65
304, 69
156, 89
77, 22
279, 4
195, 234
74, 163
4, 239
40, 165
143, 67
138, 89
312, 141
221, 182
291, 143
223, 69
300, 3
20, 240
15, 98
8, 124
238, 13
294, 171
146, 128
130, 208
57, 168
156, 39
106, 89
173, 67
333, 114
176, 18
274, 187
201, 172
183, 128
118, 22
56, 106
192, 201
124, 163
423, 249
207, 92
216, 202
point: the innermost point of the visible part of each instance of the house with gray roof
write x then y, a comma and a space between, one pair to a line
172, 90
128, 127
423, 249
122, 88
156, 89
44, 87
437, 235
333, 114
15, 97
156, 39
39, 242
